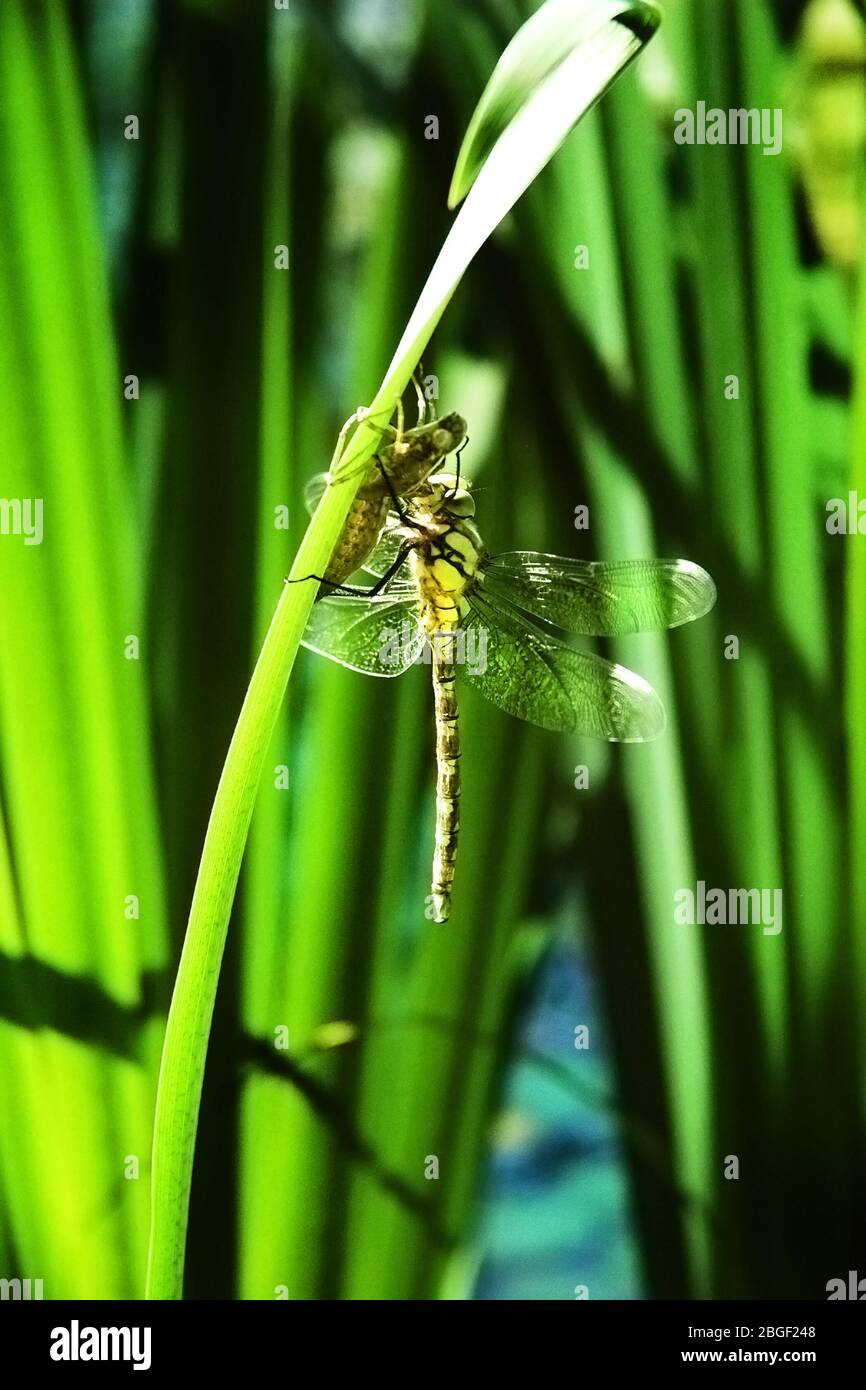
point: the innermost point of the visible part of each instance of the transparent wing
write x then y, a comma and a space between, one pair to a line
313, 491
530, 674
601, 598
380, 636
385, 552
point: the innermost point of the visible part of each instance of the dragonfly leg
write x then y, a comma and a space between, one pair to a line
354, 591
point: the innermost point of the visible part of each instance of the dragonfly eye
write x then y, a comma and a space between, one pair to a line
460, 503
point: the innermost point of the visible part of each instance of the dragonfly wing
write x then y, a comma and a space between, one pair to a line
314, 491
532, 675
385, 552
601, 598
380, 636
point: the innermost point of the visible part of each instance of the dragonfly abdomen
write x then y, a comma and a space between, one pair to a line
443, 568
447, 774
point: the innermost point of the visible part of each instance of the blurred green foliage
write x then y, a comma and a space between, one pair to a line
602, 386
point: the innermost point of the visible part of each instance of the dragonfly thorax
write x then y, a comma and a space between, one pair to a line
445, 565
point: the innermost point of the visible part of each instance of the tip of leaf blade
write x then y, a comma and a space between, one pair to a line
536, 50
642, 20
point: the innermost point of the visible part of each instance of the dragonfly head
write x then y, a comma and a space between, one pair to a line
451, 494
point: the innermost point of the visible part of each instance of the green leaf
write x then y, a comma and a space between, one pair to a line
593, 40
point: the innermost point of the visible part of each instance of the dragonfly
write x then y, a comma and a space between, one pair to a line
441, 597
397, 470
